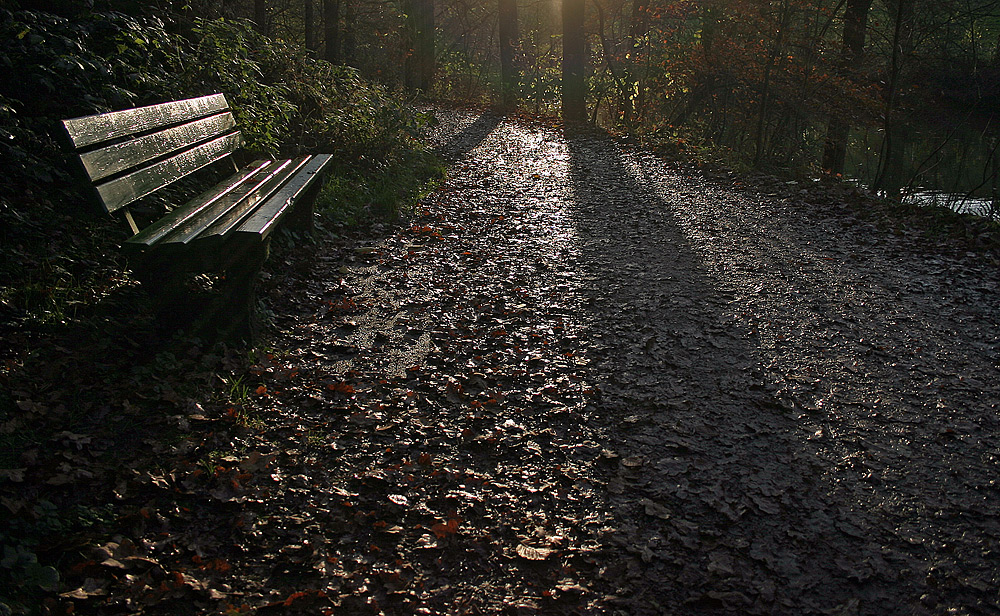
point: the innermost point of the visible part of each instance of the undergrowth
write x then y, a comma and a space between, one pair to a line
353, 197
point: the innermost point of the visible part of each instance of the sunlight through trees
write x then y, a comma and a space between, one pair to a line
897, 94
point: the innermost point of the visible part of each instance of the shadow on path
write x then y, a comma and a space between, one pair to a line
719, 505
463, 142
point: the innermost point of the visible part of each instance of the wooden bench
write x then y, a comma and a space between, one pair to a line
129, 155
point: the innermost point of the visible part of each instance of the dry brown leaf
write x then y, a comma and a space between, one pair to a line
531, 553
616, 485
632, 462
443, 530
655, 509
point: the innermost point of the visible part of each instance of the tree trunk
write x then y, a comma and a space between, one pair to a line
838, 129
509, 73
620, 76
710, 15
994, 164
574, 88
638, 30
331, 31
260, 15
705, 82
310, 26
226, 9
350, 21
419, 68
889, 176
765, 86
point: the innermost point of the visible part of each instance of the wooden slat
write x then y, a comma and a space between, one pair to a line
232, 219
129, 188
263, 221
120, 157
171, 222
239, 201
89, 130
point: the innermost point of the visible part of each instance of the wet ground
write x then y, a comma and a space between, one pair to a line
581, 380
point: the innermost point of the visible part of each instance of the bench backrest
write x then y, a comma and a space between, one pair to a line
132, 153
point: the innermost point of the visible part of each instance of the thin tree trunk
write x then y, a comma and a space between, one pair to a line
711, 16
331, 31
638, 30
574, 106
350, 23
309, 18
623, 85
260, 15
995, 168
888, 178
509, 72
765, 88
838, 129
228, 9
419, 69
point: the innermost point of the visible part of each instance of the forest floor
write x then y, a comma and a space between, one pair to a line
583, 380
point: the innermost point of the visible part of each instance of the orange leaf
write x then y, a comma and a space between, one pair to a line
343, 388
295, 595
443, 530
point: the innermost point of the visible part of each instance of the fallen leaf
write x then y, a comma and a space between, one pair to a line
443, 530
655, 509
532, 553
399, 499
570, 586
15, 475
632, 462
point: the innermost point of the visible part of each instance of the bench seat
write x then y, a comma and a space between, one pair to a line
247, 207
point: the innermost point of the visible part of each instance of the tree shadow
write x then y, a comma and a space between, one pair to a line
468, 136
719, 501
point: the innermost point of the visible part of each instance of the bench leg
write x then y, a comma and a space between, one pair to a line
235, 314
227, 312
173, 305
300, 219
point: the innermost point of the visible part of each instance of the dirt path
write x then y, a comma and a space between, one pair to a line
586, 381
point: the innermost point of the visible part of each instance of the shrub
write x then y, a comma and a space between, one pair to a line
288, 101
68, 68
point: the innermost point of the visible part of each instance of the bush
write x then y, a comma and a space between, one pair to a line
290, 102
70, 68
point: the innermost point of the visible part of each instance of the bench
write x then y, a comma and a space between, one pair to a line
128, 155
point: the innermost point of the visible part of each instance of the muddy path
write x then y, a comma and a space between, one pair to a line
581, 380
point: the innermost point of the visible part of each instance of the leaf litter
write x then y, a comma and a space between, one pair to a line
582, 380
